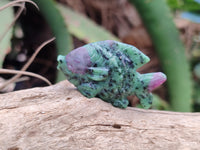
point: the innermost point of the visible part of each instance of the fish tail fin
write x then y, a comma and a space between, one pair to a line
153, 80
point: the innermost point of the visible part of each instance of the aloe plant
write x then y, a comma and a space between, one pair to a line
6, 18
84, 28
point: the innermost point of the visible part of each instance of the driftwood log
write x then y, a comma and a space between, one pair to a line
58, 117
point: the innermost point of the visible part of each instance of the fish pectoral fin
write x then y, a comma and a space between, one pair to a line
146, 99
98, 73
89, 89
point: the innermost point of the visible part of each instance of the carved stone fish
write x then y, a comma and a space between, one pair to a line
107, 69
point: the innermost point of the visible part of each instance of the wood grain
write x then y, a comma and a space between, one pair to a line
58, 117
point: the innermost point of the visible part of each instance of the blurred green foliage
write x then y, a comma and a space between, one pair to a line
84, 28
6, 18
187, 5
190, 10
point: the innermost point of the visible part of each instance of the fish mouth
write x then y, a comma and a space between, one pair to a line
62, 64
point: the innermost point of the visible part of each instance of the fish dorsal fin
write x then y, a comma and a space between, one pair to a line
97, 73
138, 58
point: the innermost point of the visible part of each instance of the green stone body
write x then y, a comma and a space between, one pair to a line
107, 70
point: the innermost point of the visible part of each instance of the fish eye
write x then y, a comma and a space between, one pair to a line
60, 61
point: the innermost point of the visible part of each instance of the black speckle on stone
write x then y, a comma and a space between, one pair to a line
95, 65
118, 94
98, 51
106, 63
90, 70
75, 77
107, 49
102, 94
128, 85
82, 80
104, 75
118, 54
105, 57
131, 64
115, 68
109, 72
114, 81
141, 59
87, 93
142, 96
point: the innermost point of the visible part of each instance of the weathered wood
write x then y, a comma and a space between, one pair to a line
59, 117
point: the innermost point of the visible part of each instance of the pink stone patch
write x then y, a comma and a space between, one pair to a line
158, 79
78, 60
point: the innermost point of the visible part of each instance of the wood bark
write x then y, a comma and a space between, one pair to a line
58, 117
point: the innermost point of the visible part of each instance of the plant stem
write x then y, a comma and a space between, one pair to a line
159, 23
58, 27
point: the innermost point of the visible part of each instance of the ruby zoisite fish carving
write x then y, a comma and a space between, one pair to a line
107, 69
